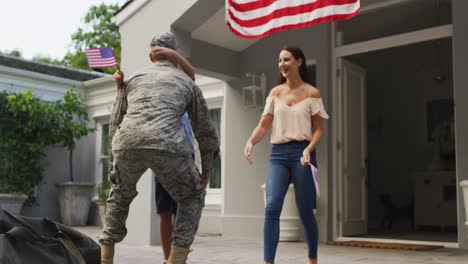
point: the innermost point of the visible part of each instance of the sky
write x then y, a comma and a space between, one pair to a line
42, 27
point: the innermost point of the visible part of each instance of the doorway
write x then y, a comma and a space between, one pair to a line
397, 159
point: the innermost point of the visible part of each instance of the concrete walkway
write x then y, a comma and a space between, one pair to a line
209, 250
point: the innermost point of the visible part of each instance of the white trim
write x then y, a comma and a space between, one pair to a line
129, 11
202, 80
439, 32
38, 76
45, 87
102, 115
311, 62
214, 195
215, 102
334, 139
386, 240
98, 147
99, 82
101, 100
239, 216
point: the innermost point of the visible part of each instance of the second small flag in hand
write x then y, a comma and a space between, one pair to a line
100, 58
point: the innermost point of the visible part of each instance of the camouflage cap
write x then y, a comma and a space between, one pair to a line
164, 39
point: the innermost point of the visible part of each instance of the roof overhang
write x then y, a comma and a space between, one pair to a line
128, 10
205, 20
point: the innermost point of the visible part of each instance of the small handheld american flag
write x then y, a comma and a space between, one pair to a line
100, 58
315, 176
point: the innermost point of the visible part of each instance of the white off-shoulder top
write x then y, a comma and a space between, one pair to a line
293, 122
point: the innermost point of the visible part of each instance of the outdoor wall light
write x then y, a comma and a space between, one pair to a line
253, 95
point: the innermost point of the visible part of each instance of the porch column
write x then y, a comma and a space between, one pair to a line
143, 222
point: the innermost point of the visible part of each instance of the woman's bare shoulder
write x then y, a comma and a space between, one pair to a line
313, 92
275, 90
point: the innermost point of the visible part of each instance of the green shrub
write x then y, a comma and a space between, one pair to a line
27, 126
24, 132
103, 190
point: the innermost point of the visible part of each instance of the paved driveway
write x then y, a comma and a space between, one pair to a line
209, 250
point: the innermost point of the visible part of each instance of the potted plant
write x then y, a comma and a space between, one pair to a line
72, 124
24, 126
102, 190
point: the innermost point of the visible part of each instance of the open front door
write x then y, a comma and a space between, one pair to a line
352, 83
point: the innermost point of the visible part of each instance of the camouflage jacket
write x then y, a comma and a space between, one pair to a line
147, 114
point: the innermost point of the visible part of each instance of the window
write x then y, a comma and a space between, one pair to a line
105, 153
215, 181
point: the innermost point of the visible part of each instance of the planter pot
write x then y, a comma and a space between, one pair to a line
464, 185
291, 228
74, 202
102, 210
12, 203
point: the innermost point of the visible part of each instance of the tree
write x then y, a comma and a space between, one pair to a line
13, 53
46, 59
98, 31
71, 123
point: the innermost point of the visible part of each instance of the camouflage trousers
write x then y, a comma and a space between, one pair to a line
177, 174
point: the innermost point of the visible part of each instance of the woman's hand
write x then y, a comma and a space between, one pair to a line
248, 151
118, 78
305, 159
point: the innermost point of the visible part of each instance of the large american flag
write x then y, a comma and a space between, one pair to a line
100, 58
260, 18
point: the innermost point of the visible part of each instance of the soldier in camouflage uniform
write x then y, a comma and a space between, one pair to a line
149, 134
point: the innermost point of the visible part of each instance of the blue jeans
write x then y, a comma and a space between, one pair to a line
284, 167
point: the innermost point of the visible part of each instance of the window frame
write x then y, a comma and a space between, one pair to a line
100, 123
214, 195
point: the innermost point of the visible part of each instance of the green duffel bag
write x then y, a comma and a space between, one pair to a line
27, 240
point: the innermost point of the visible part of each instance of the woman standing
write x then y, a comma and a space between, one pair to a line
295, 111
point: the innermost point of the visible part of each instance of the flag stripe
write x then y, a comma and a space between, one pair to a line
266, 6
242, 7
274, 16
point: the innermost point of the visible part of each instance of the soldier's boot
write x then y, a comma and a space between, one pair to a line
107, 253
178, 255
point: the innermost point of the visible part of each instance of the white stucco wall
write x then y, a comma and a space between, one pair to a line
243, 207
137, 30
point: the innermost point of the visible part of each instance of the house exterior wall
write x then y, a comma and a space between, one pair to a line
243, 204
136, 32
215, 61
460, 78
